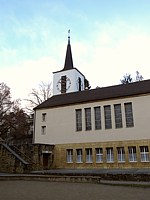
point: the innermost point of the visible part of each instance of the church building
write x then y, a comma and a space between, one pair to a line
106, 127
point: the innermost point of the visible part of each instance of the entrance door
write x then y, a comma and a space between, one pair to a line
45, 160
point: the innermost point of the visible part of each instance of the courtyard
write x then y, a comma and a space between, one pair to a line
44, 190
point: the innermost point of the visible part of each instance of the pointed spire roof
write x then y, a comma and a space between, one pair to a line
68, 60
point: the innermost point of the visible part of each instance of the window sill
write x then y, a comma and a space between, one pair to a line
99, 162
89, 162
133, 161
145, 161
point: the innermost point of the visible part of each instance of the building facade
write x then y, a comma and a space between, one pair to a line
105, 127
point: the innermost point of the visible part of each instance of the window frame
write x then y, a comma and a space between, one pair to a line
88, 155
132, 152
144, 154
97, 117
107, 117
88, 118
79, 156
69, 155
120, 154
43, 130
99, 155
118, 116
78, 120
129, 114
109, 155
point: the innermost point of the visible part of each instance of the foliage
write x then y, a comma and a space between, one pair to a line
128, 79
13, 120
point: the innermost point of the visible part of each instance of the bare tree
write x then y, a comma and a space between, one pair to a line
139, 77
38, 95
126, 79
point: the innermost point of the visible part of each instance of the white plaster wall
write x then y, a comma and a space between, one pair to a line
61, 125
73, 75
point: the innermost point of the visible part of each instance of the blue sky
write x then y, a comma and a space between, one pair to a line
109, 38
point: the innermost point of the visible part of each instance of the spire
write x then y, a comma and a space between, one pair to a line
68, 60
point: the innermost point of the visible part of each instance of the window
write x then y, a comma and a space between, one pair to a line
43, 130
118, 115
121, 154
63, 84
88, 124
107, 113
97, 112
89, 155
132, 154
99, 155
78, 120
110, 154
129, 115
69, 155
43, 117
144, 154
79, 155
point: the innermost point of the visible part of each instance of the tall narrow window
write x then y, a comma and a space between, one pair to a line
69, 155
121, 154
132, 154
118, 115
78, 120
144, 154
107, 113
88, 124
63, 84
97, 113
99, 155
43, 130
79, 155
43, 117
89, 155
129, 115
79, 82
110, 154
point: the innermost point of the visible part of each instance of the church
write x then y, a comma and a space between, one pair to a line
107, 128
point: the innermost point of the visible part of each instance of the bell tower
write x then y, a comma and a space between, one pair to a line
69, 79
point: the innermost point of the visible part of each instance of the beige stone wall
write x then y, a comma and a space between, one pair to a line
60, 155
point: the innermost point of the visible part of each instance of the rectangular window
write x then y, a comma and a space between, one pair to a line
129, 115
107, 114
78, 120
43, 117
97, 113
69, 155
63, 84
99, 155
144, 154
118, 115
110, 155
89, 155
88, 124
43, 130
79, 155
121, 154
132, 154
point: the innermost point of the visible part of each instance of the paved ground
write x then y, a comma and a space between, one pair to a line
30, 190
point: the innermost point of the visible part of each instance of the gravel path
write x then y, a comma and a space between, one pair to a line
35, 190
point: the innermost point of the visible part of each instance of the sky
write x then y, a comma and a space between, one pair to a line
109, 38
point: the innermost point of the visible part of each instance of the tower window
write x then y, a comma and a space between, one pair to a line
63, 84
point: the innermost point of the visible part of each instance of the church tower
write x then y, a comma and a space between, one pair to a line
69, 79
